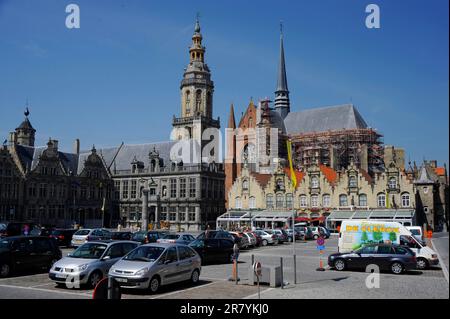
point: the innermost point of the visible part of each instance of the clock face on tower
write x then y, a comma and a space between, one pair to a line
198, 76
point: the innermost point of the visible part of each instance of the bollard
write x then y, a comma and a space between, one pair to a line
282, 277
237, 277
253, 259
295, 269
110, 287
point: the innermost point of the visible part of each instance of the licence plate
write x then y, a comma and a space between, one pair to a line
60, 276
122, 279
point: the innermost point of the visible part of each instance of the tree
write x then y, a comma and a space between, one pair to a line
393, 237
364, 237
378, 236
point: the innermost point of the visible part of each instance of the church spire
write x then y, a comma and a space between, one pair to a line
231, 120
282, 103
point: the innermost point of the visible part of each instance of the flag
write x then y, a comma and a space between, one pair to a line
293, 177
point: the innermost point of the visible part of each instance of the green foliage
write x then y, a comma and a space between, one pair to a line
364, 237
377, 236
393, 237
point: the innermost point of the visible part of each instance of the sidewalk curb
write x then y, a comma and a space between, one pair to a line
441, 262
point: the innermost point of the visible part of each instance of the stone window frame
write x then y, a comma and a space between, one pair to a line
343, 200
406, 199
314, 200
362, 198
303, 201
326, 203
381, 200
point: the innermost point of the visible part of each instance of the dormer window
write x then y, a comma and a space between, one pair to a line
392, 183
314, 182
352, 182
245, 185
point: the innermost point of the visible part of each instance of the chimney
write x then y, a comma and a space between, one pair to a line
76, 146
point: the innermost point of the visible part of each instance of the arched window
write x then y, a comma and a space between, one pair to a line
314, 182
392, 183
406, 202
343, 201
289, 201
245, 185
250, 122
198, 100
280, 184
362, 200
326, 200
280, 201
238, 203
314, 201
381, 200
188, 102
269, 201
352, 182
303, 201
252, 202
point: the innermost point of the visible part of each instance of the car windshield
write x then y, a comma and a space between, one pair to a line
171, 236
89, 251
415, 232
145, 253
5, 243
82, 232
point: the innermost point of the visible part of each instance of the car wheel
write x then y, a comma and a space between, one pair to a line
94, 278
397, 268
339, 265
154, 284
5, 270
422, 263
264, 242
195, 277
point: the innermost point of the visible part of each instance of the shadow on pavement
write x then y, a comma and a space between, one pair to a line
175, 287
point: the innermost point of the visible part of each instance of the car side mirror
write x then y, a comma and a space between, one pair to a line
167, 262
106, 258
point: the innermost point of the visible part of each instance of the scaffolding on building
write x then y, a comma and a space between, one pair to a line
338, 149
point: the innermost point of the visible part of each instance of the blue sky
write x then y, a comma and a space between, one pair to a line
117, 77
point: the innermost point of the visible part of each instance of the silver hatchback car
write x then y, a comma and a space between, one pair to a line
153, 265
89, 263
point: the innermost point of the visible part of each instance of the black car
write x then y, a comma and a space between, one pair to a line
19, 228
214, 249
18, 253
146, 237
63, 236
121, 235
217, 234
394, 258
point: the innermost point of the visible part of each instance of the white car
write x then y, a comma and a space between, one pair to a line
267, 238
416, 231
84, 235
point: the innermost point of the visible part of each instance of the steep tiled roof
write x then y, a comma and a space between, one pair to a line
323, 119
299, 175
262, 179
330, 174
440, 171
366, 175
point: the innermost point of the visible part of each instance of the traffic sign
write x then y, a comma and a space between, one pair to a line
320, 241
257, 268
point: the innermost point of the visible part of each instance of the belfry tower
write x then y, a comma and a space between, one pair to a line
196, 95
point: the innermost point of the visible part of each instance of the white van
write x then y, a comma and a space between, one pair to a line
416, 231
356, 233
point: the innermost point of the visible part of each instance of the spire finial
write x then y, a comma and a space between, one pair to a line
281, 27
27, 112
197, 23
